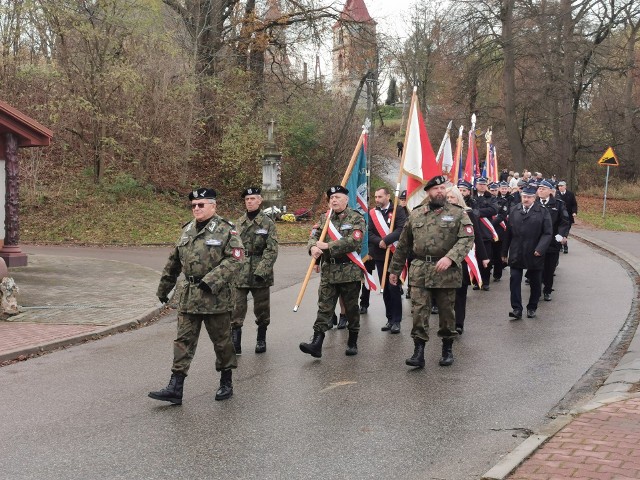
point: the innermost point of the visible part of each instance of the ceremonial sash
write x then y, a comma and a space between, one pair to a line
472, 265
494, 235
502, 224
381, 226
354, 257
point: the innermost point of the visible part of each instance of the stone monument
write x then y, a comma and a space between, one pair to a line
272, 194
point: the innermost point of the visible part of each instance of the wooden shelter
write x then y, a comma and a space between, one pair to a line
17, 130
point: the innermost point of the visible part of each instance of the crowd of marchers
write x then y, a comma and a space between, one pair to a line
460, 236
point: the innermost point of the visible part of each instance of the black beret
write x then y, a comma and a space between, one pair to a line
337, 189
464, 184
403, 195
201, 193
437, 180
251, 191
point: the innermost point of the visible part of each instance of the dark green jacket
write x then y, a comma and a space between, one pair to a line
214, 255
260, 241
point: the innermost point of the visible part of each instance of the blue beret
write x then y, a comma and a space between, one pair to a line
545, 183
202, 193
494, 186
481, 180
337, 189
465, 184
437, 180
251, 191
529, 191
504, 184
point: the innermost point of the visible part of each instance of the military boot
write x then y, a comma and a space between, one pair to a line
236, 339
352, 344
314, 348
342, 323
447, 353
226, 386
261, 340
173, 392
417, 360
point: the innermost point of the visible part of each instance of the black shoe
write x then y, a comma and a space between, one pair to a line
387, 326
476, 287
485, 288
565, 249
395, 328
531, 313
547, 297
447, 352
526, 281
363, 309
342, 323
517, 314
236, 339
314, 348
434, 310
173, 392
497, 279
352, 344
261, 340
226, 386
417, 359
459, 330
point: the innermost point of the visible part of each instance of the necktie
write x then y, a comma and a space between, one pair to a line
526, 210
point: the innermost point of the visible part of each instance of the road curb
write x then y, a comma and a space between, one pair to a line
67, 342
610, 392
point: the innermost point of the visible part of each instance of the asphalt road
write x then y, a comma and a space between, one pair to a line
83, 413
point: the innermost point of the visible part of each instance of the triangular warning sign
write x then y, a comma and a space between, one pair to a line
609, 158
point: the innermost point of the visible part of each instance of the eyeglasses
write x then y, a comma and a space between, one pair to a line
198, 205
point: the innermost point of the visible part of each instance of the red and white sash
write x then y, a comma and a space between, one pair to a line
494, 235
472, 265
381, 226
353, 256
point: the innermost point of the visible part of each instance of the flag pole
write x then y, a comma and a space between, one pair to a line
312, 263
414, 99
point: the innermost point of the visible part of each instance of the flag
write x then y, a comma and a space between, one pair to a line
471, 167
444, 159
474, 268
456, 170
358, 192
419, 161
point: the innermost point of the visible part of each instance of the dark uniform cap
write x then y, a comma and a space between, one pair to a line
494, 186
481, 181
562, 183
337, 189
533, 184
529, 190
251, 191
437, 180
202, 193
504, 184
465, 184
403, 195
545, 183
521, 183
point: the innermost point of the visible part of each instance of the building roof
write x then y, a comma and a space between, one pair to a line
29, 132
355, 11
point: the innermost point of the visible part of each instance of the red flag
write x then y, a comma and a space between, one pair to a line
419, 159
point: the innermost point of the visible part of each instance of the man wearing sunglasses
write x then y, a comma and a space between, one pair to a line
210, 254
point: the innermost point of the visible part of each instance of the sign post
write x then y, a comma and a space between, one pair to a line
609, 159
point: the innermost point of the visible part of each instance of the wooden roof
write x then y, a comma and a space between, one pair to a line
29, 132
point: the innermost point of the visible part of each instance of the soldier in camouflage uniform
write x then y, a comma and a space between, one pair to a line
440, 235
210, 254
340, 276
258, 234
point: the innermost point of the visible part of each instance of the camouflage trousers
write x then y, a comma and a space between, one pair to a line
421, 309
219, 330
328, 295
261, 306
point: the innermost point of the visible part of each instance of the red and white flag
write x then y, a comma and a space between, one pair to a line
472, 265
419, 163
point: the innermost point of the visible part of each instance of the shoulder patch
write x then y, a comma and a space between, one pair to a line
238, 253
357, 234
468, 229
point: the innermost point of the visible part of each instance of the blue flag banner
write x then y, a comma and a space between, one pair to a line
358, 194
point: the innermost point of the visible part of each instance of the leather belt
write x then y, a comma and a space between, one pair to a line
428, 258
252, 254
339, 260
192, 279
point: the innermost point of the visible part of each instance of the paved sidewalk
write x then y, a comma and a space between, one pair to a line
67, 300
599, 440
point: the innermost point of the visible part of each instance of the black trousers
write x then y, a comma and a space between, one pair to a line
460, 306
550, 263
391, 296
485, 272
365, 294
515, 284
496, 259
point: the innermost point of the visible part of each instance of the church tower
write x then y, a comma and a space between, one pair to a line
355, 50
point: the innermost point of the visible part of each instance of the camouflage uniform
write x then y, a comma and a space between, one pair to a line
260, 241
431, 235
340, 277
213, 255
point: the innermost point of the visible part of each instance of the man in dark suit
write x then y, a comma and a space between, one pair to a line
485, 208
570, 202
382, 238
526, 241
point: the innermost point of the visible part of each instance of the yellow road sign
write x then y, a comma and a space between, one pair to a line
609, 158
